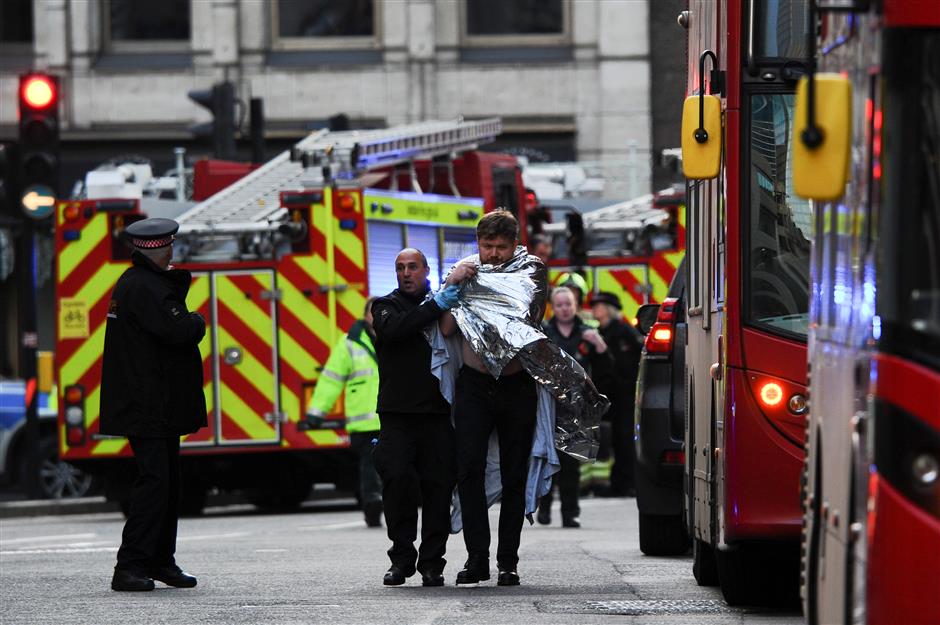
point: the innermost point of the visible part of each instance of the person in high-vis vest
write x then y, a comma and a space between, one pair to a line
352, 364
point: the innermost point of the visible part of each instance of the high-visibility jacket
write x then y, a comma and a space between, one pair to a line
352, 364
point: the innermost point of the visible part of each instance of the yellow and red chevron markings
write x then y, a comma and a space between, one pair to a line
280, 318
636, 276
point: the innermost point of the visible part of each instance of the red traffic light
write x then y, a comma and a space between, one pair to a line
38, 91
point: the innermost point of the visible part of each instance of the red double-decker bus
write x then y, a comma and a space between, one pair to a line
872, 501
748, 264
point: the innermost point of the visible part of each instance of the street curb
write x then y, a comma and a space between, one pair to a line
43, 507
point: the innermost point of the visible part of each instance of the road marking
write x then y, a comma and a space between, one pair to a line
33, 552
332, 526
36, 539
270, 550
214, 536
304, 606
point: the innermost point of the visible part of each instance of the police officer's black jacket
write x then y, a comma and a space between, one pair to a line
598, 366
151, 381
406, 383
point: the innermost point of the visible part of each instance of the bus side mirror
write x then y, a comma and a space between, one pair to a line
821, 171
701, 152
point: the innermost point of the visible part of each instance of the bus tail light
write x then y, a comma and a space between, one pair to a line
782, 402
771, 394
673, 456
74, 397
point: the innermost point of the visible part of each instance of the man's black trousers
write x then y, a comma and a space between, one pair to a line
149, 539
481, 404
415, 459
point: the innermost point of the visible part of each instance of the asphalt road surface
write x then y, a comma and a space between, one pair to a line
323, 565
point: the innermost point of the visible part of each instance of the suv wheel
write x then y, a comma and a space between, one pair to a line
663, 535
59, 479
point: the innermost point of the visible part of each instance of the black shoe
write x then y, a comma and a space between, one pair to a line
432, 578
474, 571
507, 577
373, 512
571, 521
395, 576
544, 517
128, 581
173, 576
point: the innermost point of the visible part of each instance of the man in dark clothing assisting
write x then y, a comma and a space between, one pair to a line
151, 392
417, 438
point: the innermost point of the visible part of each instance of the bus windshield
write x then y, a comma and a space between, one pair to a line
909, 285
779, 224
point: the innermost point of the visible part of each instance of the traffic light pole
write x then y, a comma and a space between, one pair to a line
28, 340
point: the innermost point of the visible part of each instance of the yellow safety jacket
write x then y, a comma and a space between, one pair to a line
352, 364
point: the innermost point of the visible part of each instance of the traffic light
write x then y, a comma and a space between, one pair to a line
577, 247
38, 144
220, 101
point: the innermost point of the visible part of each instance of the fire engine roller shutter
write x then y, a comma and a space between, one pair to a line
427, 239
385, 241
198, 300
246, 399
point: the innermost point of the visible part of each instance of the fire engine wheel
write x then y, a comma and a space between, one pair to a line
663, 535
704, 569
288, 497
59, 479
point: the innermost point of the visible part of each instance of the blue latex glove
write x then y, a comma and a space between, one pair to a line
447, 297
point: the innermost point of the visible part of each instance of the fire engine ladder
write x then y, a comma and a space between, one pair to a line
252, 205
350, 154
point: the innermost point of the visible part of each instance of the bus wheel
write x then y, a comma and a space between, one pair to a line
734, 578
663, 535
704, 568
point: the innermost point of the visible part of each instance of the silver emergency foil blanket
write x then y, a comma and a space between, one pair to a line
499, 314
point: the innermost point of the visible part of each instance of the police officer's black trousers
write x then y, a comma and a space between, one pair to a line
481, 404
149, 539
568, 480
621, 473
370, 486
415, 459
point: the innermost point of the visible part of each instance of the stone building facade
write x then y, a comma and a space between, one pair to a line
570, 78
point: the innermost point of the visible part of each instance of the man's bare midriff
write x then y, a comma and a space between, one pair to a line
473, 361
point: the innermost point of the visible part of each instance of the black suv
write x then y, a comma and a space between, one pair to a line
660, 423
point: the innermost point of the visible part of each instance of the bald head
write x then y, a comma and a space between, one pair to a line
411, 268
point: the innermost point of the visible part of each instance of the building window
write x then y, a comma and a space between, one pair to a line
298, 24
502, 22
16, 22
135, 25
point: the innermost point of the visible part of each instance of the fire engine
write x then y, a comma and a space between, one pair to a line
630, 248
283, 260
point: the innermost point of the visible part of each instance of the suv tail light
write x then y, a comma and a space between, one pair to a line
74, 397
659, 340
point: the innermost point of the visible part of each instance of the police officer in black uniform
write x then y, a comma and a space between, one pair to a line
626, 344
416, 452
151, 392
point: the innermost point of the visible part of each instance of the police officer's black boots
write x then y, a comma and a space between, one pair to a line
173, 576
477, 569
129, 581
